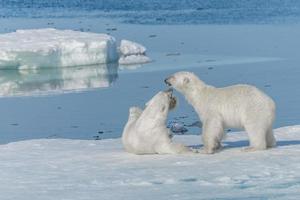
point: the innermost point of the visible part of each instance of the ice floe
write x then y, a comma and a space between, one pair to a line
37, 48
132, 53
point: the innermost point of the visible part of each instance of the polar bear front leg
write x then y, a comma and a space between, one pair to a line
212, 134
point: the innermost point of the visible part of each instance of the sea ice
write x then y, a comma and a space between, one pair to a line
55, 48
86, 169
134, 59
177, 127
128, 48
132, 53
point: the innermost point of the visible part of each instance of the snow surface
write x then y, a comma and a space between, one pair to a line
101, 169
51, 47
132, 53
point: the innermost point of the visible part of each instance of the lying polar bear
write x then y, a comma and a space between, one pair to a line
146, 132
237, 106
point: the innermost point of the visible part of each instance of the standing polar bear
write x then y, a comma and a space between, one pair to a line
146, 131
237, 106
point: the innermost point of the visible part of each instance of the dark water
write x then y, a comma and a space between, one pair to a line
160, 11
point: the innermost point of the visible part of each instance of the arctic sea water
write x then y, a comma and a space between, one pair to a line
223, 42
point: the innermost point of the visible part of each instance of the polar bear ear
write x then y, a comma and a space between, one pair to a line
186, 80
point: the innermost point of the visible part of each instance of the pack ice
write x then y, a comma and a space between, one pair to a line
55, 48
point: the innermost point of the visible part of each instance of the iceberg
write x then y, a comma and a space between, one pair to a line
132, 53
46, 48
34, 48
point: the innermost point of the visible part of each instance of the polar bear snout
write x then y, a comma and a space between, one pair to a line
179, 80
168, 81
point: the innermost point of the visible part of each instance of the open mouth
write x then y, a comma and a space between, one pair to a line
172, 99
172, 103
167, 82
170, 91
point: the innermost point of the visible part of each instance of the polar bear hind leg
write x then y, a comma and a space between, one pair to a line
271, 141
257, 137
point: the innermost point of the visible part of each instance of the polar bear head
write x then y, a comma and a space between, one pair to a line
184, 81
158, 107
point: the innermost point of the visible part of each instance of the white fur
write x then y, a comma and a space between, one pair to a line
237, 106
146, 132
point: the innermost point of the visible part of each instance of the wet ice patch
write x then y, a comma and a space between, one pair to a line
177, 127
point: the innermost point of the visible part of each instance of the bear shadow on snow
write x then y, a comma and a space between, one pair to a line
245, 143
